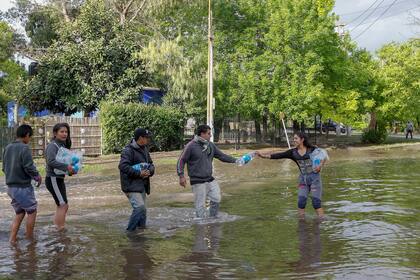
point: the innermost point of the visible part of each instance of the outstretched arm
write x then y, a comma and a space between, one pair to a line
222, 156
287, 154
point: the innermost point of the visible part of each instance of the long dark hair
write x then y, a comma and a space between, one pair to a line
305, 138
57, 127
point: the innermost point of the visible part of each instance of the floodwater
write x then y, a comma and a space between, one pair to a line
372, 230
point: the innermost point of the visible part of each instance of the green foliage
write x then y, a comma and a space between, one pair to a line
399, 72
92, 61
175, 74
120, 120
375, 136
6, 41
42, 26
270, 56
14, 82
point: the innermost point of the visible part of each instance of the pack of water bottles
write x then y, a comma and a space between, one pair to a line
141, 166
246, 158
73, 158
317, 156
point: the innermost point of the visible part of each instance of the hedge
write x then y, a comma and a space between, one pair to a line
120, 120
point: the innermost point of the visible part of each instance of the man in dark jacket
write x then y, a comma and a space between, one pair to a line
136, 167
198, 154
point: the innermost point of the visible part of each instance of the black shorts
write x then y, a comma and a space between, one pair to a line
57, 188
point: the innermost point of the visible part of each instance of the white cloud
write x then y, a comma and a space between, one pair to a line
5, 5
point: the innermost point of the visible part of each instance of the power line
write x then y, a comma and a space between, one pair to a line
367, 28
384, 6
395, 14
363, 12
374, 10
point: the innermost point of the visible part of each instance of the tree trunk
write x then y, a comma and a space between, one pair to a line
217, 127
265, 126
302, 127
238, 133
373, 121
257, 131
64, 11
295, 126
16, 114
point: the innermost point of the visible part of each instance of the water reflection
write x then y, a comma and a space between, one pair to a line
372, 232
310, 247
25, 260
203, 256
59, 254
138, 264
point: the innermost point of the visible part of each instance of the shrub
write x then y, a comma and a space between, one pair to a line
374, 136
120, 120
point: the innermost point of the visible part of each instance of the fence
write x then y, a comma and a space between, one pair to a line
86, 134
247, 132
7, 135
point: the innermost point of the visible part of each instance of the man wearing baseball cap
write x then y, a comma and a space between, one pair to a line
136, 167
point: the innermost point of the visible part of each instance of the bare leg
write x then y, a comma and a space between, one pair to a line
15, 227
301, 213
30, 224
320, 212
60, 216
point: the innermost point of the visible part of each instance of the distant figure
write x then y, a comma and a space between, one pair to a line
409, 129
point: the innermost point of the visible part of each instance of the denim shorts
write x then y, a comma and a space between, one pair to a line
23, 199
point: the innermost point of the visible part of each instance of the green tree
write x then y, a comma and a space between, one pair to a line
306, 55
178, 76
92, 61
399, 70
13, 78
6, 41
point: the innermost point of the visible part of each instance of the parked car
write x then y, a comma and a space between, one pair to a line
331, 125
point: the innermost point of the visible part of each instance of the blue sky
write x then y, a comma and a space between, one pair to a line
394, 25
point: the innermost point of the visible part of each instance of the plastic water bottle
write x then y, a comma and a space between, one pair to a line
317, 156
245, 159
140, 166
76, 167
35, 183
75, 159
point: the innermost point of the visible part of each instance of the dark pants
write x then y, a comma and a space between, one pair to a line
138, 216
409, 132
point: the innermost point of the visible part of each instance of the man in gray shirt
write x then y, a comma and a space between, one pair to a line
19, 170
198, 154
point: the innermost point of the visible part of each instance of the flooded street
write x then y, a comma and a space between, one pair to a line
372, 230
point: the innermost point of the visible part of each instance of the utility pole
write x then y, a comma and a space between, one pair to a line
340, 29
210, 99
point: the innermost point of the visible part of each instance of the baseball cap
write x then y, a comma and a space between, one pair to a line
142, 132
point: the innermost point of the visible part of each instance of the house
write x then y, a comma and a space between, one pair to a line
151, 95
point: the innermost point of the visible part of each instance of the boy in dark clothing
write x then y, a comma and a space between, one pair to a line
19, 170
135, 183
198, 155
